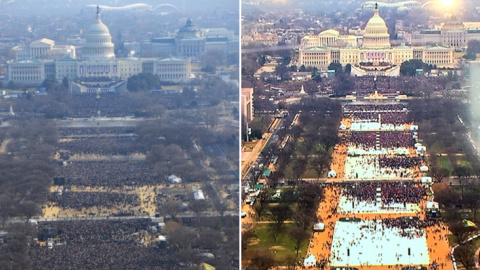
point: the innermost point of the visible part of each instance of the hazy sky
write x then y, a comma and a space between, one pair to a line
46, 7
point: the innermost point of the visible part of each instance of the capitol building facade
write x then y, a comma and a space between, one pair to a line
44, 60
371, 54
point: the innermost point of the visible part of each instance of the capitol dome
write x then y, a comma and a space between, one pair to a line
98, 41
377, 21
376, 32
98, 28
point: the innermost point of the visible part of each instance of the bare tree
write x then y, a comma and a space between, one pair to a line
280, 213
171, 208
262, 259
28, 209
220, 207
182, 238
300, 235
261, 203
198, 206
246, 236
466, 255
304, 218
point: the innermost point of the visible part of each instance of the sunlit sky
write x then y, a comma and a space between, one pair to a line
446, 3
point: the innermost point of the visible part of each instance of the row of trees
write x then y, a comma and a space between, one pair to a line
305, 200
459, 203
443, 133
315, 134
26, 173
142, 82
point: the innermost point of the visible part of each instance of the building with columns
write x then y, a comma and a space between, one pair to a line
451, 33
44, 49
190, 41
371, 54
98, 62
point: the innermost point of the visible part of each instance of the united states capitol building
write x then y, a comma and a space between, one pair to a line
371, 54
97, 66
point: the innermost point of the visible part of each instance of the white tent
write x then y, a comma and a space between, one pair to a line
426, 179
174, 179
319, 227
432, 205
423, 168
310, 261
413, 127
343, 127
198, 195
332, 173
207, 255
421, 150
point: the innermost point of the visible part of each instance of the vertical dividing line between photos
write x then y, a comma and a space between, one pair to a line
239, 134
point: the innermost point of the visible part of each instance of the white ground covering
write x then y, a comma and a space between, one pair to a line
368, 168
345, 206
360, 151
375, 247
374, 126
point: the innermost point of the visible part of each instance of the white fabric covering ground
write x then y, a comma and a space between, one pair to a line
372, 245
368, 168
345, 206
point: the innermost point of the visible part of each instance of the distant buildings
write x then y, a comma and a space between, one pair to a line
44, 49
190, 41
370, 54
452, 33
267, 39
43, 59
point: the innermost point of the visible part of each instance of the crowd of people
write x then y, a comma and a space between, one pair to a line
363, 140
84, 200
387, 139
106, 104
102, 244
399, 162
69, 132
394, 85
378, 171
410, 226
103, 146
385, 117
397, 192
373, 167
383, 108
396, 139
109, 173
